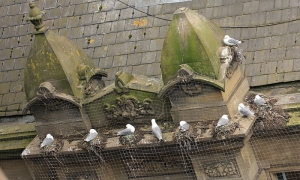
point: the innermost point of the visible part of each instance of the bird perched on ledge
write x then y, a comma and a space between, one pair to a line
129, 130
244, 110
92, 135
259, 101
184, 126
156, 130
47, 141
223, 120
230, 41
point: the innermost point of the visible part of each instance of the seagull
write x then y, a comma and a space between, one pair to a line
156, 130
129, 130
230, 41
223, 120
184, 126
244, 110
259, 100
93, 134
47, 141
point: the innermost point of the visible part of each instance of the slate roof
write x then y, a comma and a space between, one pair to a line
130, 37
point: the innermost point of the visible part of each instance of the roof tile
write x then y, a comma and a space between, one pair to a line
13, 9
13, 75
8, 99
16, 86
4, 87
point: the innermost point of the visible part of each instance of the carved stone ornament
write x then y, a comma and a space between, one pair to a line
237, 54
122, 78
36, 17
48, 95
187, 84
154, 166
221, 169
128, 108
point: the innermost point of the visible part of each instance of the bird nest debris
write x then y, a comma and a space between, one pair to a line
267, 116
225, 131
185, 138
53, 149
96, 146
131, 139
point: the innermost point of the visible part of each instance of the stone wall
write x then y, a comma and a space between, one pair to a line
130, 37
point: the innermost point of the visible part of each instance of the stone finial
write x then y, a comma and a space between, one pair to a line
36, 17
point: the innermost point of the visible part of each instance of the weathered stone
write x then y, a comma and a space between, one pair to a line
259, 80
106, 62
279, 29
291, 76
273, 16
8, 99
94, 7
279, 4
123, 36
163, 31
16, 86
17, 52
161, 22
8, 64
108, 5
285, 66
140, 69
112, 15
294, 3
220, 11
156, 45
80, 9
258, 18
17, 20
267, 5
156, 9
100, 51
293, 52
13, 75
3, 10
142, 46
118, 26
275, 78
60, 23
267, 42
134, 59
289, 14
142, 12
287, 40
251, 7
8, 32
86, 19
73, 21
3, 76
90, 30
296, 65
120, 61
126, 13
248, 33
235, 9
55, 12
94, 41
119, 5
13, 9
109, 39
68, 11
77, 32
11, 42
82, 42
5, 87
119, 49
64, 32
243, 20
277, 54
261, 56
268, 68
214, 3
275, 41
20, 97
137, 35
152, 33
255, 44
104, 28
148, 57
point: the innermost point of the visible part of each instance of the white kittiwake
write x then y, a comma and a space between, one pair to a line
156, 130
184, 126
230, 41
47, 141
92, 135
129, 130
259, 100
223, 120
244, 110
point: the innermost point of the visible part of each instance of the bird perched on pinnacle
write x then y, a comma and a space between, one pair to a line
259, 101
156, 130
47, 141
244, 110
223, 120
92, 135
230, 41
184, 126
129, 130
